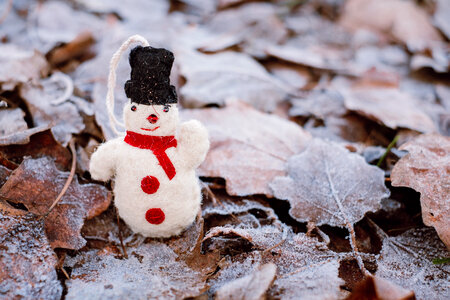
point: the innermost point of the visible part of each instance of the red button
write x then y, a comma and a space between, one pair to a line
150, 184
152, 119
155, 216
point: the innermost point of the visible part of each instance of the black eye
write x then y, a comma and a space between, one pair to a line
133, 108
166, 108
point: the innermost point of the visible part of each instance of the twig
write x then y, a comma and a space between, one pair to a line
64, 272
8, 8
120, 236
388, 149
69, 179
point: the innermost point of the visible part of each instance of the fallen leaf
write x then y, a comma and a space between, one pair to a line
35, 142
389, 106
320, 103
252, 26
4, 174
326, 184
37, 182
21, 137
151, 271
295, 76
27, 262
306, 268
426, 169
440, 17
20, 65
248, 148
250, 287
406, 260
50, 106
212, 79
437, 59
377, 288
62, 27
403, 20
11, 121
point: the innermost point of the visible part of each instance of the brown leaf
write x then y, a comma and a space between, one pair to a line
20, 65
21, 137
249, 287
376, 288
151, 271
37, 183
27, 262
211, 79
326, 184
248, 148
389, 106
406, 260
39, 142
403, 20
426, 168
4, 174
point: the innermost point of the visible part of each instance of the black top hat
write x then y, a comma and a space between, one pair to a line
150, 71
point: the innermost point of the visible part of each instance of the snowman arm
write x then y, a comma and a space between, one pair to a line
103, 161
193, 143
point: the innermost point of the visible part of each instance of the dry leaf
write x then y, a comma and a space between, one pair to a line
49, 106
252, 26
248, 148
4, 174
212, 79
35, 142
426, 169
27, 262
441, 19
20, 65
406, 260
151, 271
21, 137
37, 183
326, 184
389, 106
250, 287
376, 288
403, 20
12, 121
306, 268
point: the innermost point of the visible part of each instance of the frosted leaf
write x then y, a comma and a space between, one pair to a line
151, 271
306, 268
248, 148
252, 26
403, 20
21, 137
406, 260
326, 184
27, 262
11, 121
441, 14
20, 65
250, 287
389, 106
37, 182
217, 77
426, 169
64, 117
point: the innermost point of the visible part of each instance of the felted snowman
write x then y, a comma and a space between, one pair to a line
157, 192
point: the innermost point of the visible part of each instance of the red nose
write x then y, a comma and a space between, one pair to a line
152, 119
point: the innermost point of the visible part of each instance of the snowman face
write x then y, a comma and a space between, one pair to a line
151, 119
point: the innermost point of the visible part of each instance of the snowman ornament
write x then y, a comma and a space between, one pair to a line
157, 192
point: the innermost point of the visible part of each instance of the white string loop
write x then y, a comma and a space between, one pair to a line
112, 78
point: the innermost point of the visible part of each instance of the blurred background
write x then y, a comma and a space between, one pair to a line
356, 71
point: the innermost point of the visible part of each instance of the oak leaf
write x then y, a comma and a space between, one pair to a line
37, 182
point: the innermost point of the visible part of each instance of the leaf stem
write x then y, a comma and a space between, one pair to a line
388, 149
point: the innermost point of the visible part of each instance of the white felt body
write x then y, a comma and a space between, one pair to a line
179, 198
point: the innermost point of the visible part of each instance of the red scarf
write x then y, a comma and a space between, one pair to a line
158, 145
